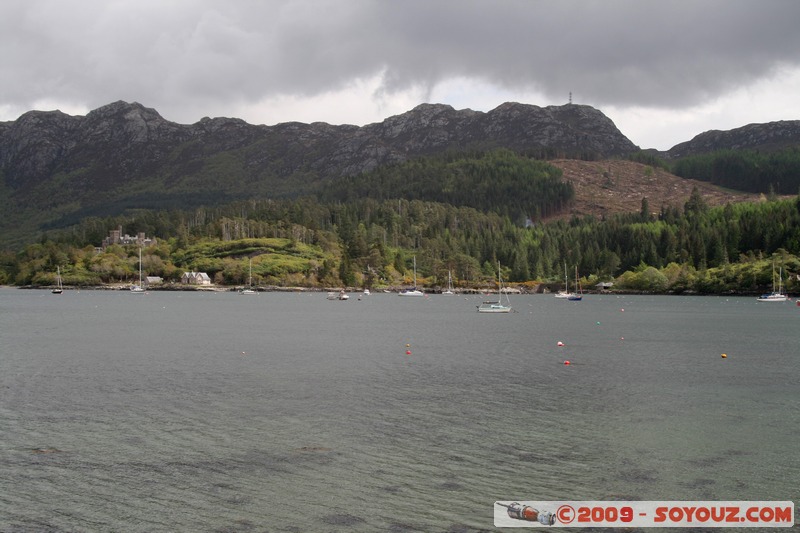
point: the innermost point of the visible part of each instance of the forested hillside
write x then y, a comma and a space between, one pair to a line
500, 181
745, 170
368, 242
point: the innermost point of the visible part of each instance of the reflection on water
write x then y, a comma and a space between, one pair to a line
289, 412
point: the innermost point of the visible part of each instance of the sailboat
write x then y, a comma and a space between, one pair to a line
449, 284
249, 289
565, 294
415, 291
578, 295
498, 306
59, 287
775, 296
137, 289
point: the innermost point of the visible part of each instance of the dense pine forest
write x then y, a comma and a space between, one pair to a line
458, 213
745, 170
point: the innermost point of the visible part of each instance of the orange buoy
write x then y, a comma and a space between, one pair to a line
724, 356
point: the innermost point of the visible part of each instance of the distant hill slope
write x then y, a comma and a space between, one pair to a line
616, 186
766, 137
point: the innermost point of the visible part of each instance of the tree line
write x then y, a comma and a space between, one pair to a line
368, 241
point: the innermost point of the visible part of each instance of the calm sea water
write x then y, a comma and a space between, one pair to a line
289, 412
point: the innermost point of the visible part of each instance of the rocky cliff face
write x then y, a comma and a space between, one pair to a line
767, 137
121, 142
124, 139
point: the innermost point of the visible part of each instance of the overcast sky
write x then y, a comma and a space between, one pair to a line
663, 71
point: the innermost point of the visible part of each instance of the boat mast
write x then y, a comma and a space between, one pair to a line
499, 284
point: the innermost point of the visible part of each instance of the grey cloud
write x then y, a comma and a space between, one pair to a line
187, 55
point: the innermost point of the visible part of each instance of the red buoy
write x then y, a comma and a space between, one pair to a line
567, 362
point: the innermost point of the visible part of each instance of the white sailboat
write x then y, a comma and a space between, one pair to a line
249, 289
576, 296
415, 291
565, 294
59, 287
498, 306
449, 289
138, 289
775, 295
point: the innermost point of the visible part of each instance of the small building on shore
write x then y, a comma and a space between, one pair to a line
195, 278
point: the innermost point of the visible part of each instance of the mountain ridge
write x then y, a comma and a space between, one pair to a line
55, 168
129, 127
766, 136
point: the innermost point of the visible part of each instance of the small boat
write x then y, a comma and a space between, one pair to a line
493, 307
775, 295
249, 289
137, 289
415, 291
59, 287
497, 306
411, 292
341, 295
449, 284
565, 294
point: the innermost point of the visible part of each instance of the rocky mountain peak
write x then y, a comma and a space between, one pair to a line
131, 123
422, 117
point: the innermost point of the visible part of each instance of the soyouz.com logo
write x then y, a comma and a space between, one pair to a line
644, 514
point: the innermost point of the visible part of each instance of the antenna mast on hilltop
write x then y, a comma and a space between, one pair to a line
570, 97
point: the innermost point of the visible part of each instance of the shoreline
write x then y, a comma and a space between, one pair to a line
385, 290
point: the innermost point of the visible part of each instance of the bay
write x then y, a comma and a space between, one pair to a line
213, 411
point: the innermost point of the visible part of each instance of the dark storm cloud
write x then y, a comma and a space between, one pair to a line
188, 55
631, 53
